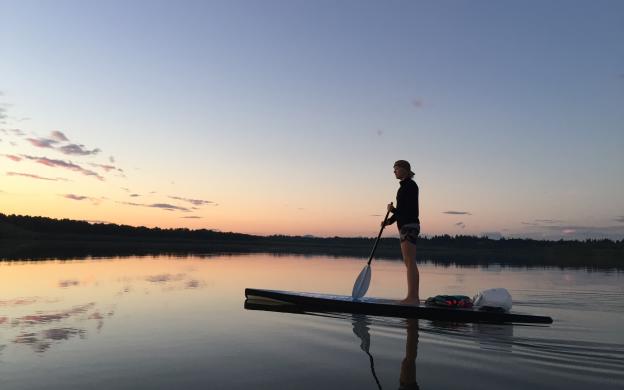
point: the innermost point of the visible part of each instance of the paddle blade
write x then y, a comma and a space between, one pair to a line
361, 283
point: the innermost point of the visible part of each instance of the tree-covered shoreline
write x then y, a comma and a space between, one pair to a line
32, 238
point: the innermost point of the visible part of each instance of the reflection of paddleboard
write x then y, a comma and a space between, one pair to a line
386, 307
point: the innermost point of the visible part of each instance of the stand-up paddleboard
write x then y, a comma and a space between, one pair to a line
386, 307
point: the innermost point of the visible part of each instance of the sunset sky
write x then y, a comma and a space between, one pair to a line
285, 117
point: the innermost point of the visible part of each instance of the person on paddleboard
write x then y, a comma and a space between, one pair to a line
405, 214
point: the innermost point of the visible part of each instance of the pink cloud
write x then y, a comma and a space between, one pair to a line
30, 175
42, 142
63, 164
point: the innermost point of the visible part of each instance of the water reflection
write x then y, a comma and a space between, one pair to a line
494, 337
40, 321
407, 376
44, 318
42, 341
164, 278
106, 327
488, 336
68, 283
361, 328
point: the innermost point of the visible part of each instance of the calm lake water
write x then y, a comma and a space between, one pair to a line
180, 322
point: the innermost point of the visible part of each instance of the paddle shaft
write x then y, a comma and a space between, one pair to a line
378, 237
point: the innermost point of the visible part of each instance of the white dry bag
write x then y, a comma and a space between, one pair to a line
493, 299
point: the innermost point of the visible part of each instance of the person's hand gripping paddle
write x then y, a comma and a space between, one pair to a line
363, 280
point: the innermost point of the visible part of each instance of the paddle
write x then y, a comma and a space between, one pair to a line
363, 280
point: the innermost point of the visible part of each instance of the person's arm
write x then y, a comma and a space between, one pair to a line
390, 220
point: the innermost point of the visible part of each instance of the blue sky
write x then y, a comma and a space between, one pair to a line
288, 115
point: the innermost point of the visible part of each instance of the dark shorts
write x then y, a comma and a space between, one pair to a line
409, 232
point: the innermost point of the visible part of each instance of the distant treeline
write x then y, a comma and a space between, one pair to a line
31, 238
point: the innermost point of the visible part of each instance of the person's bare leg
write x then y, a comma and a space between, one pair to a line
408, 251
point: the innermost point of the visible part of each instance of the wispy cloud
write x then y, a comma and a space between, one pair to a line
54, 140
543, 222
620, 219
555, 231
32, 176
13, 132
195, 202
167, 206
191, 217
461, 225
42, 142
77, 149
106, 167
135, 195
163, 206
58, 136
63, 164
13, 157
75, 197
456, 212
95, 201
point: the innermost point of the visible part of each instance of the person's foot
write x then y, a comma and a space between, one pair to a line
410, 301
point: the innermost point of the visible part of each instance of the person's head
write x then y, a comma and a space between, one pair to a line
402, 170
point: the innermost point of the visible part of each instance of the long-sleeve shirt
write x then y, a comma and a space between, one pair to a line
406, 210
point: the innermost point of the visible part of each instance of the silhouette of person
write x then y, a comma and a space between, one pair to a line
405, 214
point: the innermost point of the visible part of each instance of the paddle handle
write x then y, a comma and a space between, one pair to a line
378, 237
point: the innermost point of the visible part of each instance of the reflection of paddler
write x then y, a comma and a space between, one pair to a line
407, 379
361, 330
